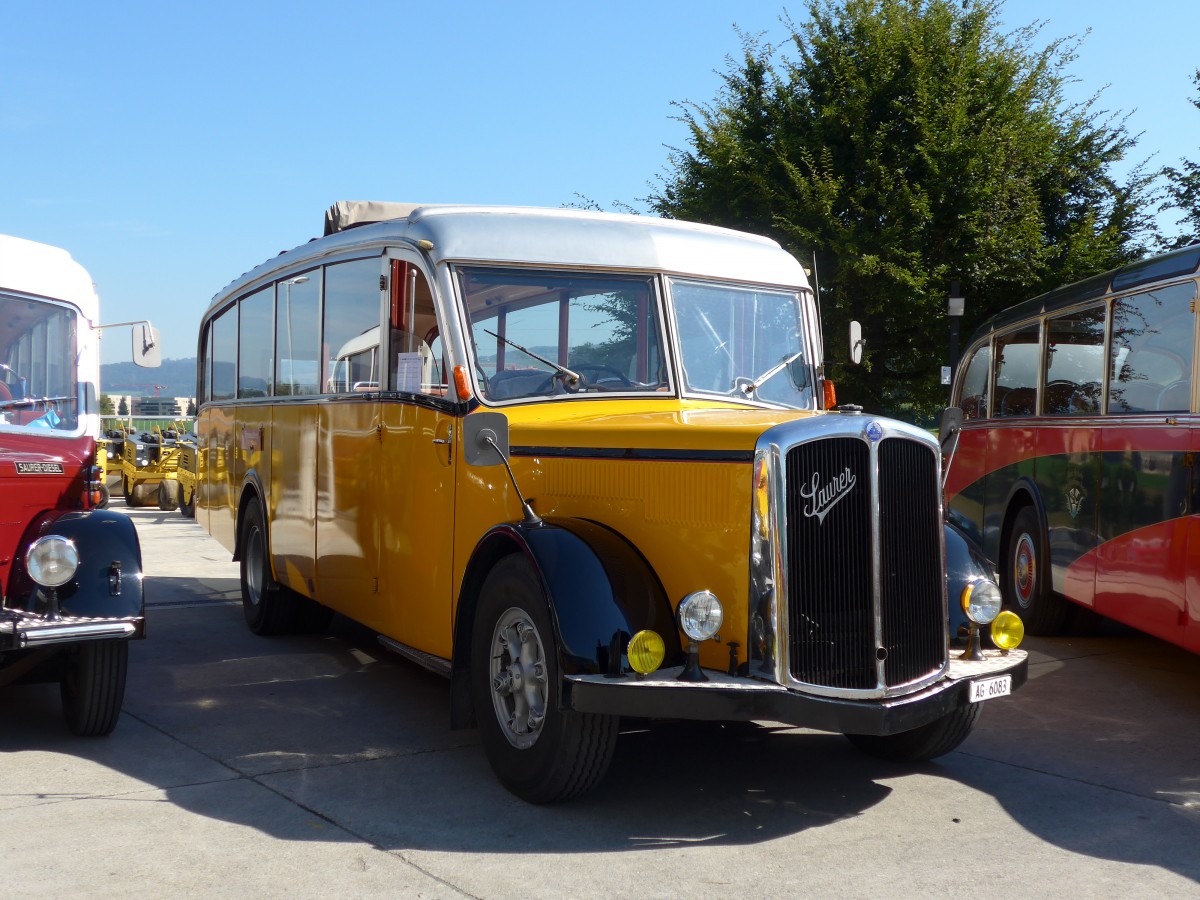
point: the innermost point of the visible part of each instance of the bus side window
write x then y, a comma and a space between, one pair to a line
974, 398
1074, 363
1016, 366
418, 365
1152, 351
351, 327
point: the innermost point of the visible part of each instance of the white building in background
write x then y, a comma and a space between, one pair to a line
174, 407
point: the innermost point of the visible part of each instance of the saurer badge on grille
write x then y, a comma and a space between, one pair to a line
822, 499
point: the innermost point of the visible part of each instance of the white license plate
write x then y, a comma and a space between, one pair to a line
987, 688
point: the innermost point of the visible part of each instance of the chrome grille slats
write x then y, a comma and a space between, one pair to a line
859, 599
830, 605
914, 632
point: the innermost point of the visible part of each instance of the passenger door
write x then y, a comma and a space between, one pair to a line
419, 446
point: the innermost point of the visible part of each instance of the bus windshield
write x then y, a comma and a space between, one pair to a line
540, 333
742, 342
39, 388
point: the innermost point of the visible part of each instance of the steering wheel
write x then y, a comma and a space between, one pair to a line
603, 374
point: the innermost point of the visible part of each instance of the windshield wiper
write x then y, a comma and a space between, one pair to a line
752, 386
569, 377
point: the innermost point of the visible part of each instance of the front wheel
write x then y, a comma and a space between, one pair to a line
268, 608
93, 686
1024, 577
540, 752
930, 741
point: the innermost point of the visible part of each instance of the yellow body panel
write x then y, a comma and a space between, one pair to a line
373, 511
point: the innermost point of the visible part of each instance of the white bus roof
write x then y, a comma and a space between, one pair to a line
551, 237
40, 270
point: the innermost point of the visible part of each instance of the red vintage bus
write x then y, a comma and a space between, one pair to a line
71, 594
1074, 466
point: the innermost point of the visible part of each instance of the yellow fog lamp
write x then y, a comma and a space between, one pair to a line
700, 616
646, 652
981, 601
1008, 630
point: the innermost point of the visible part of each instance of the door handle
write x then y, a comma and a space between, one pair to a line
448, 442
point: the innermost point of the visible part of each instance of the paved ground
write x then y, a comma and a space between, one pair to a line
322, 766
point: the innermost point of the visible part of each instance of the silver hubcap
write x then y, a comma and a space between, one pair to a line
518, 678
1024, 570
254, 566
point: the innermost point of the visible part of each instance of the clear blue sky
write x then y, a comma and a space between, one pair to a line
171, 147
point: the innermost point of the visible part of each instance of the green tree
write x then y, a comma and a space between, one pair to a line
191, 408
908, 143
1183, 190
106, 405
123, 407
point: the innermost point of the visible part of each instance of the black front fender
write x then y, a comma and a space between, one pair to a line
108, 583
600, 590
965, 563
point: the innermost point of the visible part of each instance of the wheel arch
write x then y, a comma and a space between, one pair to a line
1023, 493
252, 492
600, 591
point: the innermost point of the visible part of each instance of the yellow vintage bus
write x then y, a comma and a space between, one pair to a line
584, 465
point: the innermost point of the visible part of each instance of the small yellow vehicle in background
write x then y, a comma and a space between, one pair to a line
149, 461
186, 475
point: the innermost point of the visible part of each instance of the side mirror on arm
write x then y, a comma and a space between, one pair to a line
856, 343
951, 425
147, 350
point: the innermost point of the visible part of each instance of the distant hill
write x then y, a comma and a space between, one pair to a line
175, 378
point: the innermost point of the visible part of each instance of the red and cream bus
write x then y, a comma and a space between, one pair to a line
71, 594
1075, 462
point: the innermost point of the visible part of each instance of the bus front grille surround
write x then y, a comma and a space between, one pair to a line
861, 610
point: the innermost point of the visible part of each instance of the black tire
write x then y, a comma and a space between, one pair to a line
542, 753
268, 607
187, 503
930, 741
93, 686
168, 495
1025, 576
105, 496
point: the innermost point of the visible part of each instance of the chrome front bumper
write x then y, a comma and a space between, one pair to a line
21, 630
730, 698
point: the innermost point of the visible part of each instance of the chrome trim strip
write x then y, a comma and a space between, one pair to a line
425, 660
39, 634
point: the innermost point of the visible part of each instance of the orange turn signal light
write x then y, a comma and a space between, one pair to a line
462, 383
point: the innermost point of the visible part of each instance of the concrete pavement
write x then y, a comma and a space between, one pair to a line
321, 765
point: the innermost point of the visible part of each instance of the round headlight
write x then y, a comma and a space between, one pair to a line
1008, 630
51, 561
646, 652
700, 615
981, 601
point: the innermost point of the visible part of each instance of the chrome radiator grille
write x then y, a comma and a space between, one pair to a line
864, 564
